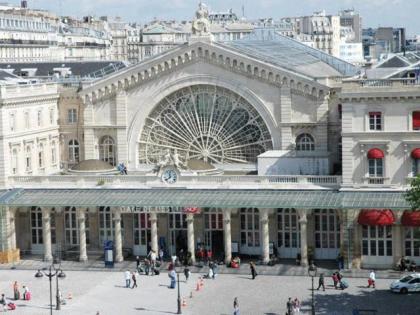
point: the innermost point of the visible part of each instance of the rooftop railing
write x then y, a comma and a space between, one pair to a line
380, 83
191, 182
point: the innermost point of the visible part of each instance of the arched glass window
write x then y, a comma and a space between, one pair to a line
28, 158
74, 151
107, 150
305, 142
376, 163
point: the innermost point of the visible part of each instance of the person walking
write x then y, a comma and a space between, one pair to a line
172, 275
372, 279
134, 278
26, 293
137, 262
235, 306
4, 302
161, 255
289, 306
253, 270
187, 273
321, 282
16, 293
127, 278
296, 306
335, 279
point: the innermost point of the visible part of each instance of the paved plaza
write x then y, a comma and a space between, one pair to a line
105, 292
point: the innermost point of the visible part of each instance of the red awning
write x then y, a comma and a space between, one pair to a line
191, 210
411, 218
375, 154
374, 217
415, 154
416, 120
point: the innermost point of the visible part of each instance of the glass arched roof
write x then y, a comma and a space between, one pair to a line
269, 46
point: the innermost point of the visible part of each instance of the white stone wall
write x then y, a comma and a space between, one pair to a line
29, 121
396, 139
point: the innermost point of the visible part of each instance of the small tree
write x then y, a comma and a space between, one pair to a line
413, 194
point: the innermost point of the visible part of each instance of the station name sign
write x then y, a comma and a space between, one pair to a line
185, 210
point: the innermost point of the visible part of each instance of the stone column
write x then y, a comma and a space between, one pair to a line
303, 220
190, 232
265, 237
12, 228
46, 234
397, 237
154, 232
227, 236
81, 213
118, 236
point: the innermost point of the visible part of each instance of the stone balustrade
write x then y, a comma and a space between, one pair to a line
30, 90
200, 182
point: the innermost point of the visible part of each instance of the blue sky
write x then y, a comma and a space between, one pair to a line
374, 12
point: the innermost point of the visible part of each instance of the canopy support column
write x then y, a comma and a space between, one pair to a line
303, 220
153, 232
227, 235
46, 234
190, 232
265, 236
81, 213
118, 236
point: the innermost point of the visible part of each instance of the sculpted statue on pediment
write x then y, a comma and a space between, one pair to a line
201, 24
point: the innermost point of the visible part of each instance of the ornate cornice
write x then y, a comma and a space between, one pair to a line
214, 54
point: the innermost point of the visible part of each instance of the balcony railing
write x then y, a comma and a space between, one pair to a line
200, 182
380, 83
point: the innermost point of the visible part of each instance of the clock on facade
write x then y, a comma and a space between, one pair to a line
169, 176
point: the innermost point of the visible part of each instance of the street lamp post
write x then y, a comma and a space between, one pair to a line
179, 293
312, 273
52, 272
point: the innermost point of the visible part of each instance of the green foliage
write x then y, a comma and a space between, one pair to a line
413, 194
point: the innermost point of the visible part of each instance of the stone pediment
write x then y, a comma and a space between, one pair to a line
211, 53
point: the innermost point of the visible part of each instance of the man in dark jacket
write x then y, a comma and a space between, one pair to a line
321, 282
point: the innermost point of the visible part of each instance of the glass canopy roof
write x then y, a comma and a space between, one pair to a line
223, 198
268, 45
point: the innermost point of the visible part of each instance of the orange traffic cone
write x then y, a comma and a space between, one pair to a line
198, 286
184, 303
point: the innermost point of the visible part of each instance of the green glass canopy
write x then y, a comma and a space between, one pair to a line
221, 198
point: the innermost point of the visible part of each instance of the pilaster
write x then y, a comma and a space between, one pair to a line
81, 216
190, 232
118, 236
227, 235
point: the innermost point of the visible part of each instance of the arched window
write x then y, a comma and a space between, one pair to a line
28, 158
41, 156
15, 162
305, 142
74, 151
107, 150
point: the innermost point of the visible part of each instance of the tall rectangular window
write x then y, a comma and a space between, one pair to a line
375, 121
12, 122
416, 120
72, 116
376, 168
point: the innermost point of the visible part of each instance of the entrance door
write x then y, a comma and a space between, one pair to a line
178, 233
327, 234
288, 238
377, 246
142, 236
213, 227
250, 232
